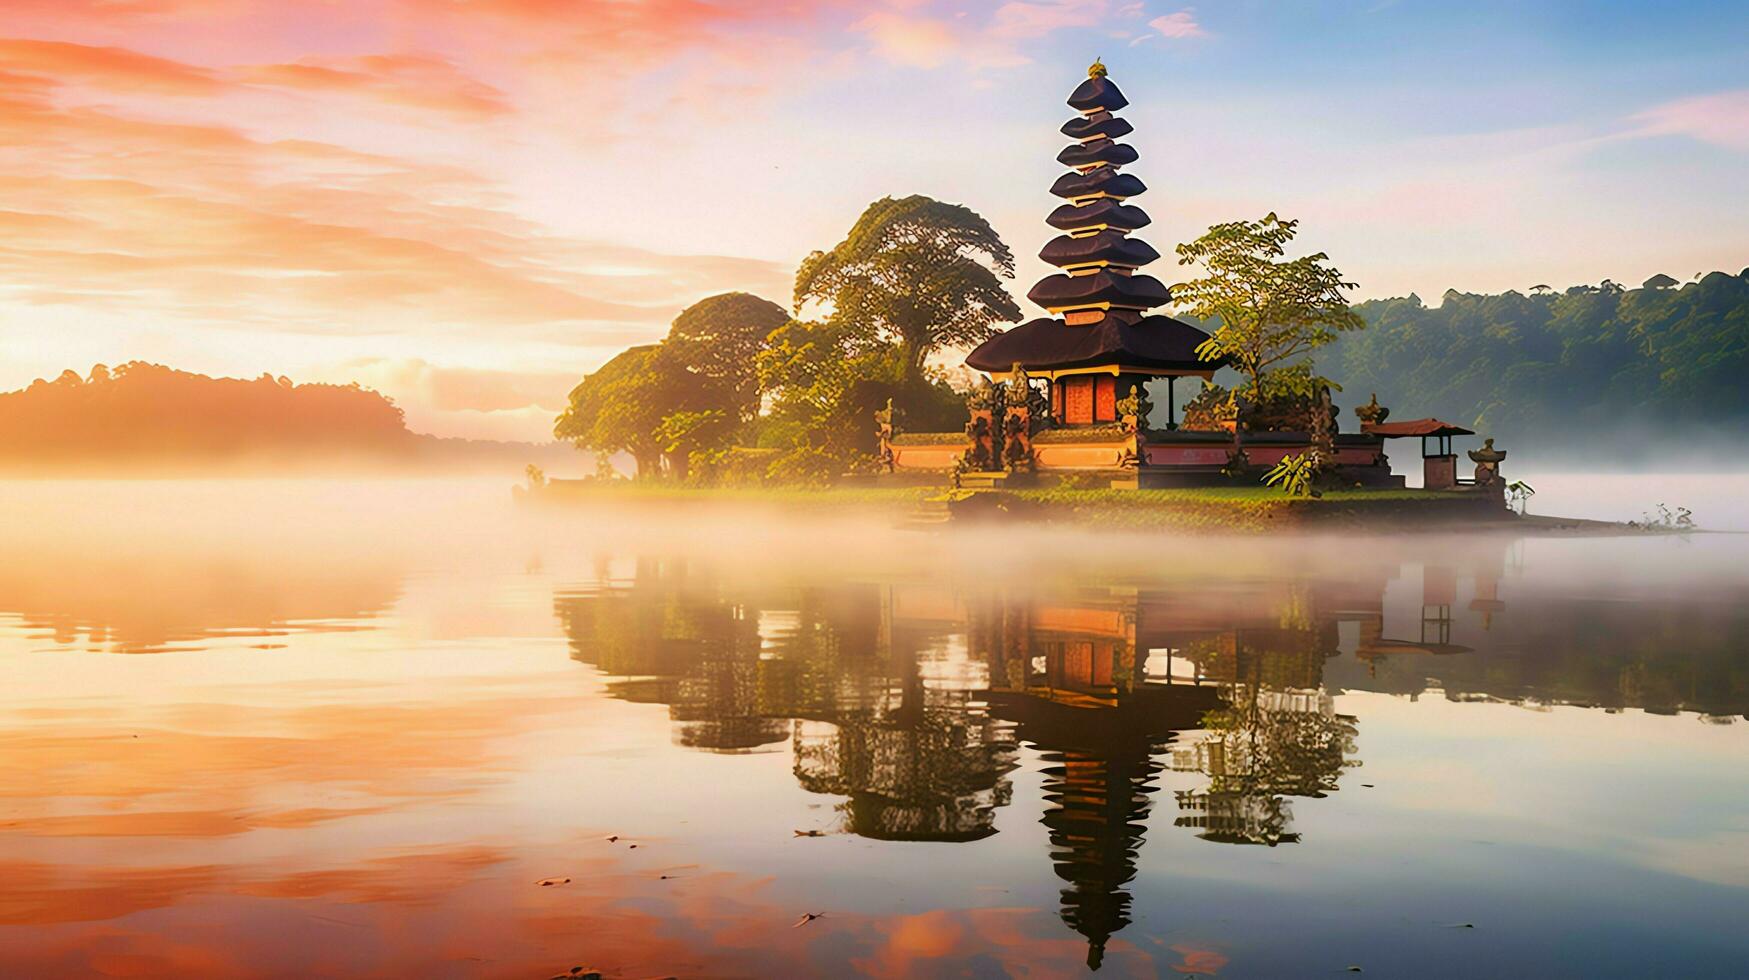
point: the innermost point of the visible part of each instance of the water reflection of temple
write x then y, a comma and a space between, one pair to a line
1110, 687
911, 704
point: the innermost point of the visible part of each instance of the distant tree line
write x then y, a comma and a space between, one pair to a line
140, 411
1549, 368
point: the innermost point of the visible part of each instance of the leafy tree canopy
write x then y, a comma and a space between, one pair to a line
719, 338
914, 272
620, 406
1268, 311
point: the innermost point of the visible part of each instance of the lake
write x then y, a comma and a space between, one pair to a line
402, 729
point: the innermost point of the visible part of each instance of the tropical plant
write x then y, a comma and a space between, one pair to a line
1680, 519
1294, 475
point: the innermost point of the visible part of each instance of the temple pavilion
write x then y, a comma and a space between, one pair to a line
1100, 345
1099, 340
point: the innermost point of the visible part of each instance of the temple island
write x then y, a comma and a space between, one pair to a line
1066, 395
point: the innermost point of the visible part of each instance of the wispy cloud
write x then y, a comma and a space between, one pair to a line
204, 220
1178, 25
118, 68
409, 80
1719, 118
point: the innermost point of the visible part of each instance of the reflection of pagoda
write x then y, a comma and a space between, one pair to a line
1070, 678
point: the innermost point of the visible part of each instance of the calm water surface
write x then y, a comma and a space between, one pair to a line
295, 729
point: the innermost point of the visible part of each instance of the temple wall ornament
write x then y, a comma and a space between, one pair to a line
884, 435
1372, 413
1132, 414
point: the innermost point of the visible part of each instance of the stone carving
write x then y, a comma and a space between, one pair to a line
1487, 460
1372, 413
884, 433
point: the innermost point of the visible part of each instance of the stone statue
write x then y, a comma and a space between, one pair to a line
884, 432
1372, 413
1134, 409
1487, 460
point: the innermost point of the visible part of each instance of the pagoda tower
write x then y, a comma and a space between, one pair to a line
1099, 340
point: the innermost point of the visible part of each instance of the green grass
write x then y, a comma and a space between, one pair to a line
1203, 509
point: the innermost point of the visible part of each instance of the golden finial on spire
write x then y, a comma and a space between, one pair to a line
1097, 69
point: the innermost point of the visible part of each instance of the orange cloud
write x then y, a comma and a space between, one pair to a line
415, 81
105, 67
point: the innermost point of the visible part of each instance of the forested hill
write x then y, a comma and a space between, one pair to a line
142, 417
1552, 369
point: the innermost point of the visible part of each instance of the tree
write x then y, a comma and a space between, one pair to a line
1557, 371
1659, 281
916, 273
1269, 312
719, 338
825, 379
619, 407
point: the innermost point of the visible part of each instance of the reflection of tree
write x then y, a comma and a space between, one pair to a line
153, 597
1265, 746
1662, 656
915, 772
673, 641
1276, 736
914, 756
917, 760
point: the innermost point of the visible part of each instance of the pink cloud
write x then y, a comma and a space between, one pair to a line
1719, 118
1178, 25
1018, 19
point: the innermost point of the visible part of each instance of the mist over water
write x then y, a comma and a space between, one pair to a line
298, 727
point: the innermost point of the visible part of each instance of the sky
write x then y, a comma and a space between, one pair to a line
468, 204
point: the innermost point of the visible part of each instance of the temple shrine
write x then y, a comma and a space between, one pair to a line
1067, 394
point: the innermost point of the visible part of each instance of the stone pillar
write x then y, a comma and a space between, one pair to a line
1439, 472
